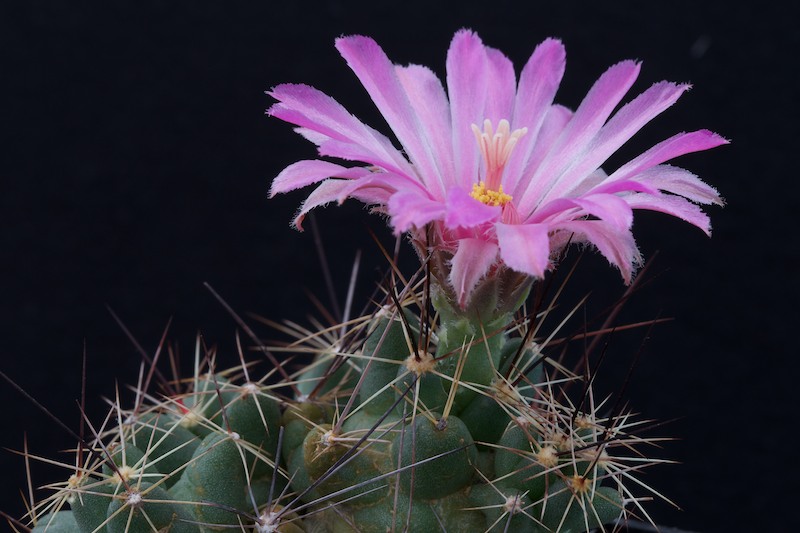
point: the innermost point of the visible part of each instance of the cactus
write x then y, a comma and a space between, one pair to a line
450, 407
379, 431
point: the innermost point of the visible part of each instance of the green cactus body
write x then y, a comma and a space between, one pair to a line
384, 443
60, 522
390, 514
300, 479
297, 420
481, 353
89, 502
146, 508
217, 474
571, 511
432, 391
485, 419
384, 345
203, 408
321, 452
504, 509
170, 445
428, 439
342, 378
130, 463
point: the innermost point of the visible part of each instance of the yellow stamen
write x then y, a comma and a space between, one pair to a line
488, 196
496, 148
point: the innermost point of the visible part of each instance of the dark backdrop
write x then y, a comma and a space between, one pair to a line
136, 159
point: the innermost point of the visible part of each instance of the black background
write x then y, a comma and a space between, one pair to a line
136, 159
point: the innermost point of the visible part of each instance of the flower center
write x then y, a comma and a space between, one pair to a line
496, 148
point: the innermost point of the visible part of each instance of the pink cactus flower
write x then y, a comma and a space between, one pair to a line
503, 176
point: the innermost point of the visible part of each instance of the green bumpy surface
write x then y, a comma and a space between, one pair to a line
207, 463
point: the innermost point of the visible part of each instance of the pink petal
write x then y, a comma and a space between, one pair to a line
622, 186
356, 152
600, 101
589, 183
677, 145
312, 136
678, 181
467, 85
618, 247
612, 209
466, 212
621, 127
608, 207
501, 89
412, 209
378, 187
378, 76
470, 262
538, 84
326, 192
555, 120
672, 205
595, 109
307, 172
313, 110
426, 95
524, 247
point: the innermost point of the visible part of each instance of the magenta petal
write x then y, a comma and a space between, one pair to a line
356, 152
614, 210
618, 247
467, 85
326, 192
502, 87
677, 145
464, 211
619, 129
672, 205
555, 120
308, 172
411, 209
311, 135
524, 247
635, 114
375, 188
470, 262
600, 101
590, 116
314, 110
623, 186
426, 95
538, 84
379, 78
678, 181
608, 207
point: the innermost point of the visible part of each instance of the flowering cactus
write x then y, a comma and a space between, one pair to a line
444, 409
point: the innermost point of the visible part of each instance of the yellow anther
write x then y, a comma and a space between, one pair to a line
488, 196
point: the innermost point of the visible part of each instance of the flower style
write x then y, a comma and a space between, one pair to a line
502, 175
